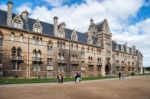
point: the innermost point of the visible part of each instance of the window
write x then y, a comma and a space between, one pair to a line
71, 46
82, 51
13, 51
40, 41
39, 54
37, 27
17, 22
61, 56
34, 53
90, 58
12, 36
49, 46
49, 61
98, 67
1, 39
37, 40
36, 67
61, 44
19, 52
88, 49
98, 60
21, 38
98, 51
33, 40
76, 47
92, 49
61, 68
91, 68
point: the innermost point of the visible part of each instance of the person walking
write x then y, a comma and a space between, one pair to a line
62, 78
59, 78
77, 77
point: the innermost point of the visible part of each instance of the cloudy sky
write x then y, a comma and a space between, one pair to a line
129, 20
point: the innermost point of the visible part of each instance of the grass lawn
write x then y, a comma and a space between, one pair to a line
43, 80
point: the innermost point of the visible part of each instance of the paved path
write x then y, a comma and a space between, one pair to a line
130, 88
70, 82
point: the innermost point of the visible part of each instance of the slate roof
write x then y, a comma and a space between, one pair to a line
47, 28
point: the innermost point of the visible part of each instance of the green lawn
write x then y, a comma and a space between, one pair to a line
43, 80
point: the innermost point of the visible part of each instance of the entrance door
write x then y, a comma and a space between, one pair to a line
107, 70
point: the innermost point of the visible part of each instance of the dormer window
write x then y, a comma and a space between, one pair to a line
61, 30
74, 36
17, 22
37, 27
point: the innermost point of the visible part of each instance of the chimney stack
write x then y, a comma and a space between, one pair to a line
9, 13
55, 29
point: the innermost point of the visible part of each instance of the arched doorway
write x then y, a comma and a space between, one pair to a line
108, 67
107, 70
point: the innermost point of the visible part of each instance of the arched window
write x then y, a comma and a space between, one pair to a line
37, 40
12, 35
33, 40
21, 38
34, 53
76, 47
62, 56
1, 39
17, 22
49, 46
39, 54
82, 51
19, 52
59, 56
37, 27
63, 45
88, 49
40, 41
74, 36
99, 60
61, 30
13, 51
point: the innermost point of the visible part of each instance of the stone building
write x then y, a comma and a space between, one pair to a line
31, 48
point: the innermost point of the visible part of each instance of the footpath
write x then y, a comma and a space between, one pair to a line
70, 82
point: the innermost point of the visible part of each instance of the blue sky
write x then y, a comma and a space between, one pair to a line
129, 20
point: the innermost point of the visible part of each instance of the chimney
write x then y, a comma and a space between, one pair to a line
55, 29
24, 15
9, 13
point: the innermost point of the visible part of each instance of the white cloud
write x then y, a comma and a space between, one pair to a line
116, 11
25, 6
3, 7
139, 35
55, 2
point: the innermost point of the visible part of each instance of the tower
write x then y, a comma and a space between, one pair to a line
9, 13
105, 36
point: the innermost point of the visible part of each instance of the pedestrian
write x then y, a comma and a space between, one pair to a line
77, 77
62, 78
59, 78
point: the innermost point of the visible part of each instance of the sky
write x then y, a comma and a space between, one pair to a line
129, 20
